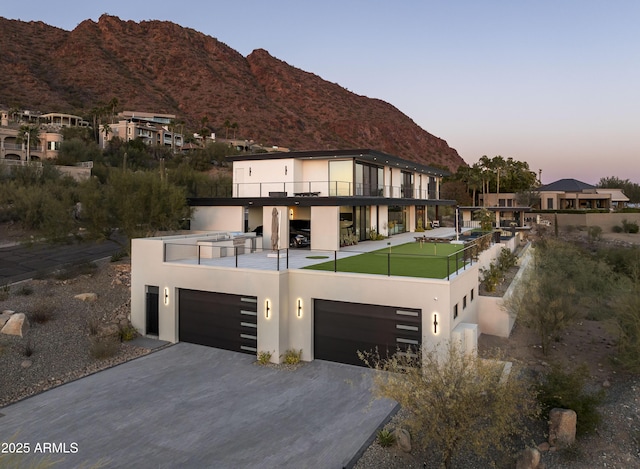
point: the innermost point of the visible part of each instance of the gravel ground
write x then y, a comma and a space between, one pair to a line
60, 346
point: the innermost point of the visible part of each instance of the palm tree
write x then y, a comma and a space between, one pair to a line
106, 129
234, 126
113, 104
227, 125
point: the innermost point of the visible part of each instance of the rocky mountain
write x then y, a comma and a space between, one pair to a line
162, 67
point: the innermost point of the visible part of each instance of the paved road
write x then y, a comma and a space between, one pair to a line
190, 406
22, 262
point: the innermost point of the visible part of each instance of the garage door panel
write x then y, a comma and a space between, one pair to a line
218, 320
342, 329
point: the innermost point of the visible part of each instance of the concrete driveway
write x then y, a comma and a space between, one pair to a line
200, 407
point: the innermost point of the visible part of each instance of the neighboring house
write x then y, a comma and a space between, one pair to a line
571, 194
152, 129
224, 286
13, 146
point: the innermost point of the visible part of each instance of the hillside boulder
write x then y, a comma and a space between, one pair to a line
562, 427
17, 324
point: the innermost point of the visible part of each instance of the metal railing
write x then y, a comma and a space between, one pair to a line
245, 254
328, 189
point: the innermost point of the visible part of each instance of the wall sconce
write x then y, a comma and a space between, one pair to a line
285, 170
290, 214
166, 296
267, 308
249, 170
299, 308
436, 323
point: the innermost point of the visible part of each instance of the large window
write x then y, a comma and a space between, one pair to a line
397, 219
407, 185
341, 178
368, 180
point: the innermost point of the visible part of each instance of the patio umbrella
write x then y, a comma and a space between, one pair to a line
275, 229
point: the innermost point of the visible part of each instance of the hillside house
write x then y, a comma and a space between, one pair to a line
232, 286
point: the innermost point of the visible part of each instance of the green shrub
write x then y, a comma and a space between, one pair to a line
94, 325
115, 257
491, 277
506, 259
386, 438
128, 333
264, 358
102, 348
292, 357
616, 229
565, 390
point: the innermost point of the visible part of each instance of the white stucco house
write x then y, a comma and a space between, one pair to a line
236, 284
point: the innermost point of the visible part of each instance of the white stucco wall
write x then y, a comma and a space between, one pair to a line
256, 178
325, 228
284, 328
218, 219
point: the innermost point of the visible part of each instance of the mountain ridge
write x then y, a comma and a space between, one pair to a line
159, 66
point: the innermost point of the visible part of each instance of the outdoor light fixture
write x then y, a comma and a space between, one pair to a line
285, 170
299, 308
249, 170
290, 214
166, 296
267, 308
436, 323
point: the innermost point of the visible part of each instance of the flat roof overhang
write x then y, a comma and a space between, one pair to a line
496, 209
310, 201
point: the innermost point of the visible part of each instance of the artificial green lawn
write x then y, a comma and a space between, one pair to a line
426, 260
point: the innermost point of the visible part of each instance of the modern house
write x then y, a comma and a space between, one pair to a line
151, 128
341, 194
227, 287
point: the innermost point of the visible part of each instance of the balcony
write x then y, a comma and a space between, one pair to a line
328, 189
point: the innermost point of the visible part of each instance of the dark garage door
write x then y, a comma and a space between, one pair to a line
218, 320
341, 329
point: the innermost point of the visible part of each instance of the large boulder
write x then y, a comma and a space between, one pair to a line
403, 439
562, 427
17, 324
4, 317
109, 331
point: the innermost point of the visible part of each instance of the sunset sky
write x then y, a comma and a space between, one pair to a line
553, 83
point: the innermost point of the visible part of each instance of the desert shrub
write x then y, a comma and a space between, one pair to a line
292, 357
630, 226
102, 348
117, 256
565, 390
128, 333
76, 269
94, 325
616, 229
385, 438
264, 357
595, 233
28, 349
41, 313
5, 291
25, 290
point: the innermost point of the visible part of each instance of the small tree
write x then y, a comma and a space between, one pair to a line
486, 218
454, 401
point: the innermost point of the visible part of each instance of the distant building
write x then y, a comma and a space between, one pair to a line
13, 146
152, 129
